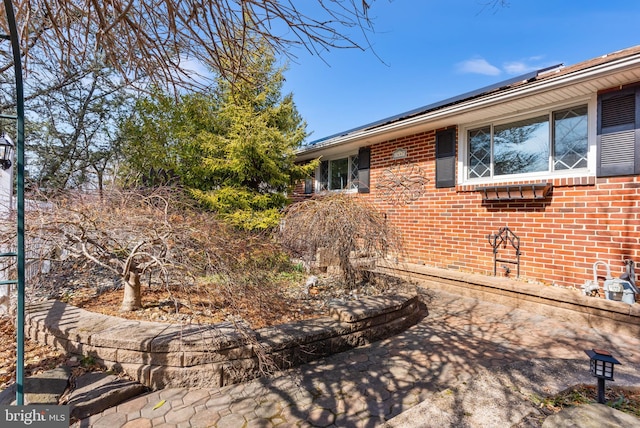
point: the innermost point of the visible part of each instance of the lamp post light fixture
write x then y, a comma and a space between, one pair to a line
601, 366
6, 152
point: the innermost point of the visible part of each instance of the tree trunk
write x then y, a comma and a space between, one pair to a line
132, 299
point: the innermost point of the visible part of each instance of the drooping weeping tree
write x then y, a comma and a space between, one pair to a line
129, 233
344, 226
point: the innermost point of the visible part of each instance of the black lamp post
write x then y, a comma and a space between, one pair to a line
6, 152
601, 366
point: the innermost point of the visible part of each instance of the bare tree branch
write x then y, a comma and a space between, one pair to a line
156, 39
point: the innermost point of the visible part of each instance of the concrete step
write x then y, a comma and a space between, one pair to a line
43, 388
86, 395
94, 392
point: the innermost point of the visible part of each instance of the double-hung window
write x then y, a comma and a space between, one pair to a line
554, 141
339, 174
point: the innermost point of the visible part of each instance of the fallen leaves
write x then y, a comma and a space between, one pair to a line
37, 358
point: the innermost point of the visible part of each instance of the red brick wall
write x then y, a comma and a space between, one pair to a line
581, 221
298, 194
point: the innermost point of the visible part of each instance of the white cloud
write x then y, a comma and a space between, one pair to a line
478, 66
528, 64
482, 66
196, 72
518, 67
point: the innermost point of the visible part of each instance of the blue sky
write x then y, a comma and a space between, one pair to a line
430, 50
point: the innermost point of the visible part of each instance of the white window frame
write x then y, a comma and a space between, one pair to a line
352, 186
590, 170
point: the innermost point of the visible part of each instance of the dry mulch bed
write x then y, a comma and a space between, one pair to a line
177, 305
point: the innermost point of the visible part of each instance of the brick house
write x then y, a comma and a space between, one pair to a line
554, 156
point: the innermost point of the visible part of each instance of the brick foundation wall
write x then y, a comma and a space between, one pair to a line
581, 221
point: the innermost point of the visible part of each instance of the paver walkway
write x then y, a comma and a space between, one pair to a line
468, 363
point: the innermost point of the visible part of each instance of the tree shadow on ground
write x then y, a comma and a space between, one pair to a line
473, 363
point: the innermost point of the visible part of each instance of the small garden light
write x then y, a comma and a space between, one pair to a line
6, 151
601, 365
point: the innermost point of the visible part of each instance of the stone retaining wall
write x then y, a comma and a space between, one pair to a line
167, 355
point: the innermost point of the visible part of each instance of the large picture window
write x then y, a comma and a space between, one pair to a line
521, 147
339, 174
546, 143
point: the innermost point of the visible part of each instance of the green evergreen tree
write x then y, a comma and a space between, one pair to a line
234, 147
